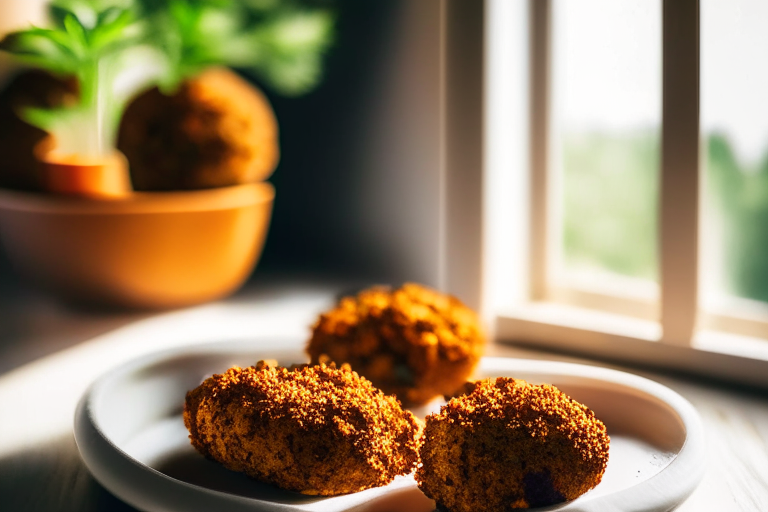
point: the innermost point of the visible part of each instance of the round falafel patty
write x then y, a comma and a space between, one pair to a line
508, 444
317, 430
413, 342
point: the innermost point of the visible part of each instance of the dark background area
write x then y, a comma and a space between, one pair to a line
357, 184
314, 219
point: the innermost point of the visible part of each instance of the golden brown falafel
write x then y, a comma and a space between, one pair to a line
216, 130
317, 430
509, 444
412, 342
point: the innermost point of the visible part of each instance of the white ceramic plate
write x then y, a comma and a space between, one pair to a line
130, 434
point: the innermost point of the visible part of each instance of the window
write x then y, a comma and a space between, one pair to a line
604, 144
734, 126
636, 287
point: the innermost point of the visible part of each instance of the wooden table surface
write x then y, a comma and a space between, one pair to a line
49, 355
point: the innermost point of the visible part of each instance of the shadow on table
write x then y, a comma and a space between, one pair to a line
34, 326
52, 478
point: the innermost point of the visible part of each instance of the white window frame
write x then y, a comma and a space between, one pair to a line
664, 328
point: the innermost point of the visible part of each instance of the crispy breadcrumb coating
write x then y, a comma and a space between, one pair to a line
508, 444
318, 430
412, 342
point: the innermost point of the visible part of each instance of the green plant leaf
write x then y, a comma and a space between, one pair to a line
41, 48
109, 16
59, 37
79, 40
43, 118
57, 14
111, 35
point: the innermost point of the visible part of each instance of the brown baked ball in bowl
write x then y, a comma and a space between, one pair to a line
192, 233
216, 130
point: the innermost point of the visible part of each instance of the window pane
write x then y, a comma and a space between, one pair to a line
734, 110
607, 114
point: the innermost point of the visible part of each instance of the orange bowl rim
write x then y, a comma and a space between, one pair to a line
223, 198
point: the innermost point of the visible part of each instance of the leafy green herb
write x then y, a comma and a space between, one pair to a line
281, 42
117, 48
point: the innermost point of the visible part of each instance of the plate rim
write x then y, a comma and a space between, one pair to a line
686, 468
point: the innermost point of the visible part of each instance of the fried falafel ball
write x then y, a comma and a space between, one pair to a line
509, 444
217, 130
413, 342
317, 430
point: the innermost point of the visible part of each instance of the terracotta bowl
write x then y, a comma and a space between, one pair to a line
149, 250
